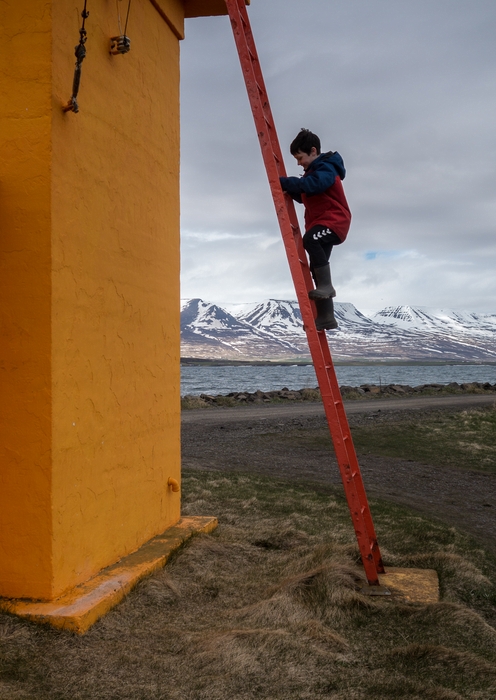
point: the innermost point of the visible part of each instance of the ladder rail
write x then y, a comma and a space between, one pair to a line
354, 462
269, 144
319, 349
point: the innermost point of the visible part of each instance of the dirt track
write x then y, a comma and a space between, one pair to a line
251, 439
273, 411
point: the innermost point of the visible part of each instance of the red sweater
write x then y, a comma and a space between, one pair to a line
328, 208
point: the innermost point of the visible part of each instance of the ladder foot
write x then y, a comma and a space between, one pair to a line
368, 589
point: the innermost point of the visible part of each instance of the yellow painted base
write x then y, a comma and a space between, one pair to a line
85, 604
408, 585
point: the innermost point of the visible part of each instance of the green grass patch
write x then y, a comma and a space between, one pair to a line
466, 440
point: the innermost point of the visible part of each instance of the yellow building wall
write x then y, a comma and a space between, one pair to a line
25, 300
115, 300
89, 295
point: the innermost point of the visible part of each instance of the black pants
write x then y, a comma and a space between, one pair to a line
318, 242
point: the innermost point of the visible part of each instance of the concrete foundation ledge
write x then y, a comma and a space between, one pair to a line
81, 607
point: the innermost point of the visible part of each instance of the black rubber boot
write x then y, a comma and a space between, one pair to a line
324, 288
325, 320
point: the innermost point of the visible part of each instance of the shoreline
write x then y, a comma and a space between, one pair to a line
364, 392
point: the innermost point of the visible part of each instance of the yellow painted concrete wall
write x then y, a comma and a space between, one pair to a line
115, 257
89, 300
25, 299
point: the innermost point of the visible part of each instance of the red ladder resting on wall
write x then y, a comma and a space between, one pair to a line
317, 340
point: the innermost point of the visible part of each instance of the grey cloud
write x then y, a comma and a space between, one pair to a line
405, 91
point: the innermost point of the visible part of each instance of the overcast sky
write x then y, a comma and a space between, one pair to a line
406, 92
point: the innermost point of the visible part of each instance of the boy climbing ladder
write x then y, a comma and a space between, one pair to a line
327, 215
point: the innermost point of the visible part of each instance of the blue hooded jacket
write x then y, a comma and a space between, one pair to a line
318, 177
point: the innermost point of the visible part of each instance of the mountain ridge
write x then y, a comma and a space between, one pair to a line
273, 330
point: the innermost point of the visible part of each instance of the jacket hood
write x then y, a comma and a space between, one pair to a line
332, 158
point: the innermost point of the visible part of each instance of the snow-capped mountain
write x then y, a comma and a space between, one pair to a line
446, 320
209, 331
281, 319
273, 330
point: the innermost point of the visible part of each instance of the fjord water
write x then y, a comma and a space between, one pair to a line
197, 380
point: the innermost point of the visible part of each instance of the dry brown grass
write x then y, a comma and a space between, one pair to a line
268, 607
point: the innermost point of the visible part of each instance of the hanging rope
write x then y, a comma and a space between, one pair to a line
80, 52
127, 16
121, 43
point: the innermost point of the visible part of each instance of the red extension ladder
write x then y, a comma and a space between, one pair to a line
317, 340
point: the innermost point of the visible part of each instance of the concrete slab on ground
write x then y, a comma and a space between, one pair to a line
408, 585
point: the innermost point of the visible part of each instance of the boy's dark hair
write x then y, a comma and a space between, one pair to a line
304, 142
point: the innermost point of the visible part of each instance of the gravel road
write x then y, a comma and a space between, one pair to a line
272, 411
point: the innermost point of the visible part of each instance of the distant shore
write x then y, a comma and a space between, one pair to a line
210, 362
